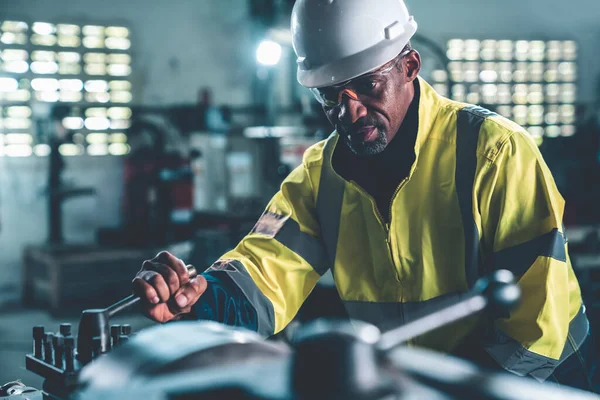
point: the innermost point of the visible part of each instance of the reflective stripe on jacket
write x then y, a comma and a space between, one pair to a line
479, 197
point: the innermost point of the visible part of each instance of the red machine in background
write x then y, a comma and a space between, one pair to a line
157, 203
158, 196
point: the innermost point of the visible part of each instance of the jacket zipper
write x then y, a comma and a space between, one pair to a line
400, 186
389, 234
385, 225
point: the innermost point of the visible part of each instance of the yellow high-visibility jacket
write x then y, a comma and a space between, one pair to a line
479, 197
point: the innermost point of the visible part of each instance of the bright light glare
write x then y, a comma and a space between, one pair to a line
119, 43
18, 67
43, 28
73, 122
119, 69
44, 84
120, 123
268, 53
118, 138
42, 150
97, 124
49, 97
96, 138
70, 96
118, 149
18, 111
18, 138
40, 67
70, 149
18, 150
120, 97
70, 85
119, 113
13, 55
8, 84
65, 29
98, 112
96, 86
97, 149
117, 31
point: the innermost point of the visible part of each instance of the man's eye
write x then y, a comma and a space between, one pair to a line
367, 85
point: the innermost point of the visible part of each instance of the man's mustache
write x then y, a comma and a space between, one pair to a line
355, 127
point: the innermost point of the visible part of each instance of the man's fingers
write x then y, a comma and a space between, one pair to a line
169, 276
168, 259
143, 289
158, 283
161, 281
189, 293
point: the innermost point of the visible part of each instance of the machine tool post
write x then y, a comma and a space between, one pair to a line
48, 347
38, 340
57, 345
69, 353
115, 333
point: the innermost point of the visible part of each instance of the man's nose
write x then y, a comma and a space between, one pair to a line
351, 108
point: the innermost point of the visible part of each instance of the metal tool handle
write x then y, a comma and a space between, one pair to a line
96, 324
131, 300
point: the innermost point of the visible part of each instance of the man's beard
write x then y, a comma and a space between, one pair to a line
361, 148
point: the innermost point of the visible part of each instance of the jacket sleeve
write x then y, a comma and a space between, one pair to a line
223, 301
275, 267
521, 217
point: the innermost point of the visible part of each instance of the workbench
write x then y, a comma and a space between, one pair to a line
68, 277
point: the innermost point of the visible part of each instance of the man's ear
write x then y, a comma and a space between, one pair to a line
412, 63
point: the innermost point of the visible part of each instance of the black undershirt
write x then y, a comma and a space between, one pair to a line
379, 175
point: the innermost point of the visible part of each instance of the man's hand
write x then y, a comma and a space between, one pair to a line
165, 288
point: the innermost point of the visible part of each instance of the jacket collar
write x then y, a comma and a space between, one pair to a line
429, 107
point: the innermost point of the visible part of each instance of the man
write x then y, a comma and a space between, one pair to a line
409, 202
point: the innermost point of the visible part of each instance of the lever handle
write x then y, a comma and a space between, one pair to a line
96, 323
498, 293
131, 300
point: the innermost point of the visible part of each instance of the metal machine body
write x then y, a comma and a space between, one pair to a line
325, 359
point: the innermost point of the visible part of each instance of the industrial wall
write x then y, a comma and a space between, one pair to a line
519, 19
178, 46
175, 53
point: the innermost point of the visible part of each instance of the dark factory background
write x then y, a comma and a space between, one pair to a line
128, 127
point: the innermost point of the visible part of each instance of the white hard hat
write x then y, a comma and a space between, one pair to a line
337, 40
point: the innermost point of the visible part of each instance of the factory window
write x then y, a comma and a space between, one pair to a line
530, 82
86, 67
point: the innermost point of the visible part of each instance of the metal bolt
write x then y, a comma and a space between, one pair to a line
126, 329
